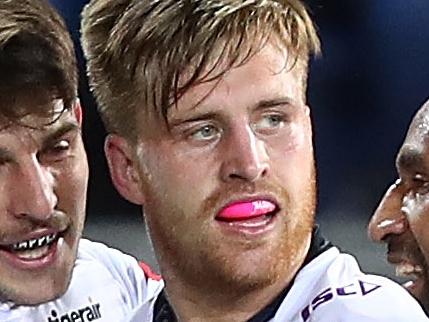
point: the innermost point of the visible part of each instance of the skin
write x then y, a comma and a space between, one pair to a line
43, 183
402, 218
249, 138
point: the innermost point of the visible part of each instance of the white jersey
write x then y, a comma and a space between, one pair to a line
330, 288
106, 286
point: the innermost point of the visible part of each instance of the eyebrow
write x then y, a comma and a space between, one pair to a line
59, 131
411, 160
275, 102
7, 156
266, 103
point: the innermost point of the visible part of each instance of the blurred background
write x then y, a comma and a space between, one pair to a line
364, 90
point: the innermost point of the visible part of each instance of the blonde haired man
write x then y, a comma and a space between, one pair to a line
205, 102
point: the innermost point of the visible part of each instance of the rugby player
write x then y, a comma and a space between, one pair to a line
47, 273
402, 217
210, 132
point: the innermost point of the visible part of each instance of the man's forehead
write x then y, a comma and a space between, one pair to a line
415, 148
40, 124
419, 127
48, 114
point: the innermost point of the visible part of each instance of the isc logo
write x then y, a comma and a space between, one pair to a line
358, 288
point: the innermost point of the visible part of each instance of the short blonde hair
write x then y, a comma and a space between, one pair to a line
137, 51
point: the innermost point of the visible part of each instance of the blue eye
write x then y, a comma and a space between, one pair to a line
205, 133
274, 120
269, 122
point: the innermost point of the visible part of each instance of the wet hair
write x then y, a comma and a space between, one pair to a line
37, 60
142, 56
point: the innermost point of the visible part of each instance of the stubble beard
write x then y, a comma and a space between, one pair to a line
194, 261
15, 291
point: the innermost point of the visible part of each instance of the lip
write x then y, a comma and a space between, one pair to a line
33, 235
33, 264
40, 263
396, 257
409, 269
255, 227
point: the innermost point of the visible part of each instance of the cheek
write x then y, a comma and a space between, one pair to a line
174, 181
72, 183
417, 210
418, 217
294, 139
292, 156
420, 226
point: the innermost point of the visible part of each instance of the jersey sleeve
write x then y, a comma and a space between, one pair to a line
332, 288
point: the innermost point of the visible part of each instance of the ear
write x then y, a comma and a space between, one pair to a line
77, 110
123, 170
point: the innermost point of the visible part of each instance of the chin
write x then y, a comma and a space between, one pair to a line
40, 295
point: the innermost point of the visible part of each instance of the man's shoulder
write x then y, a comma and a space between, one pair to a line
333, 288
96, 256
106, 284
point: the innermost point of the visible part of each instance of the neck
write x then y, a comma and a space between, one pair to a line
212, 301
195, 305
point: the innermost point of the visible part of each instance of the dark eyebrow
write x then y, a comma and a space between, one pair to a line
60, 131
411, 160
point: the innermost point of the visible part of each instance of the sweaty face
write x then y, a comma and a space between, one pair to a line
229, 187
43, 181
402, 218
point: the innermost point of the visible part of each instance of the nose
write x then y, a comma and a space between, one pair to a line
388, 218
33, 193
245, 156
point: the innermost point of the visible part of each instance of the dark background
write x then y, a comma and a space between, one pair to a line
364, 90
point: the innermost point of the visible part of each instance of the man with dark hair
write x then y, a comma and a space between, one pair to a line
401, 219
210, 132
47, 273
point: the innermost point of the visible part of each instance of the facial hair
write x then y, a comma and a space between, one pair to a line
191, 254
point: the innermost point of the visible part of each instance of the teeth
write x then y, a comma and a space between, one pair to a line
408, 269
34, 254
41, 241
21, 245
34, 243
50, 238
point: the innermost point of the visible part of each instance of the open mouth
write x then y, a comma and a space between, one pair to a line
414, 274
32, 249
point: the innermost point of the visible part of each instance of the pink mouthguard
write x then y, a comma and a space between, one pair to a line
243, 210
